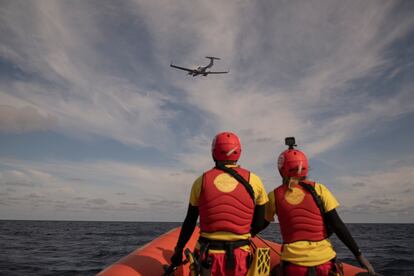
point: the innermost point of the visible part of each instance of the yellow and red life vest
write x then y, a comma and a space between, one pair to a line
299, 217
225, 206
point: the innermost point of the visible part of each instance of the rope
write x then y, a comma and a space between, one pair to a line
271, 248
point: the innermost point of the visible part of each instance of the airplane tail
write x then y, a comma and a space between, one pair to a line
213, 58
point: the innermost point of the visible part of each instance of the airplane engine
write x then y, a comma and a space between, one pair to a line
205, 74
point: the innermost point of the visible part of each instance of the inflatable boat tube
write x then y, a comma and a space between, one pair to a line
150, 259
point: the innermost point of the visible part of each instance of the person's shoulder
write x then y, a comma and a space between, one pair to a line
330, 202
320, 185
198, 181
271, 195
256, 182
259, 189
252, 174
196, 190
321, 188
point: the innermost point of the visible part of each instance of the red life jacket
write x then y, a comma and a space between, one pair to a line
300, 222
225, 211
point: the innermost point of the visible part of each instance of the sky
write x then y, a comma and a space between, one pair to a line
95, 124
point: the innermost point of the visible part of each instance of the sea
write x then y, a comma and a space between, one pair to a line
85, 248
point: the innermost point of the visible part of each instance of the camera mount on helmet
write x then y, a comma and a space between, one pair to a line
290, 141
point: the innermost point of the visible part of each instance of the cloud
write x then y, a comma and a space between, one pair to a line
111, 186
15, 178
26, 177
358, 184
163, 203
34, 196
381, 202
98, 201
146, 188
129, 203
386, 192
296, 73
27, 119
292, 62
71, 82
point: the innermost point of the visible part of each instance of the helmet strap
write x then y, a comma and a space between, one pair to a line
225, 162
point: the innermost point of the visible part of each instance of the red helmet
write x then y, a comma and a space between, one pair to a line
226, 146
292, 163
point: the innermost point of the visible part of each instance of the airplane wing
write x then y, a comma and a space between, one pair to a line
217, 72
182, 68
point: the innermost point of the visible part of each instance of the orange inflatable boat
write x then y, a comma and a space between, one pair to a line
151, 259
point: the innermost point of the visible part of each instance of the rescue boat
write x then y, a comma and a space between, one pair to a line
154, 257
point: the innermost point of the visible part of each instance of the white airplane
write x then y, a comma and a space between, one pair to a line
202, 70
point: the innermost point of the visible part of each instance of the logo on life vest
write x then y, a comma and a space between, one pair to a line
225, 183
294, 196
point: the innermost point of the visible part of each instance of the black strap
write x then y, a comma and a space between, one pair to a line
228, 246
312, 271
203, 258
239, 178
319, 203
223, 245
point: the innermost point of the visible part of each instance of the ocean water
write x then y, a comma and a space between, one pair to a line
85, 248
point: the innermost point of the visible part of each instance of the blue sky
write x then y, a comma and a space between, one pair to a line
95, 125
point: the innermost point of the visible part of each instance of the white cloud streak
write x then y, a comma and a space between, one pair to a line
84, 98
26, 119
316, 53
328, 48
94, 185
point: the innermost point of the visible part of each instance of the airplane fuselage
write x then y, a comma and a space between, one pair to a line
202, 70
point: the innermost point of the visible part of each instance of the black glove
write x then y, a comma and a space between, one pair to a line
177, 258
365, 263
